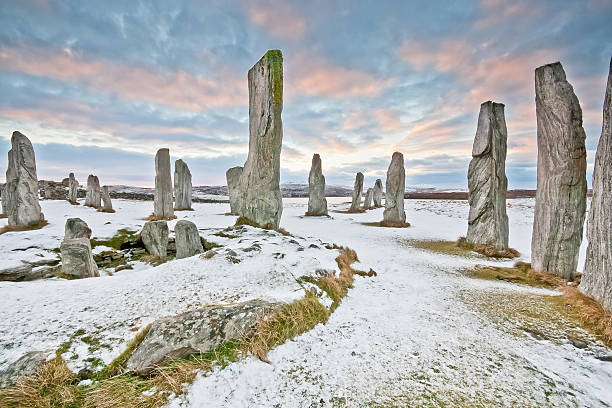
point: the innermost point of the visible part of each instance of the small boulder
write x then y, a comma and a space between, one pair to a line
155, 237
76, 228
188, 242
77, 259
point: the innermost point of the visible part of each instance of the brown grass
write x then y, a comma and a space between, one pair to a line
387, 224
307, 214
488, 250
73, 202
245, 221
156, 218
12, 228
358, 211
106, 211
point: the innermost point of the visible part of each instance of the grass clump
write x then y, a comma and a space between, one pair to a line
122, 235
153, 217
440, 247
387, 224
115, 366
31, 227
488, 250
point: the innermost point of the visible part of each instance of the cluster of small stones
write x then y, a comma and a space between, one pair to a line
182, 186
93, 197
394, 214
357, 192
163, 207
317, 203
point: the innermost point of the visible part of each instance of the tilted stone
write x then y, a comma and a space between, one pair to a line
155, 238
76, 228
596, 279
357, 192
182, 186
377, 193
233, 189
317, 203
367, 203
162, 201
21, 189
188, 242
107, 204
561, 188
487, 182
93, 197
396, 187
73, 188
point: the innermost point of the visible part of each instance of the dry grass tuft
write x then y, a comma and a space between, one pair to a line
387, 224
106, 211
73, 202
245, 221
156, 218
488, 250
153, 260
358, 211
11, 228
441, 247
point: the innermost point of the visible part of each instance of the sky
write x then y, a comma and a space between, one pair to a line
99, 86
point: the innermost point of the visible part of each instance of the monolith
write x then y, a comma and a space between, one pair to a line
188, 242
182, 186
367, 202
396, 186
317, 204
21, 189
561, 187
487, 182
377, 193
154, 236
259, 181
162, 200
93, 197
357, 191
107, 204
596, 278
233, 189
73, 189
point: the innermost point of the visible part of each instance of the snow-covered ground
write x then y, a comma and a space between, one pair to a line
421, 333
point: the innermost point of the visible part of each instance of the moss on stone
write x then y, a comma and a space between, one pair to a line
274, 59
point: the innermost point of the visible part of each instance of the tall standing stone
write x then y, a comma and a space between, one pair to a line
487, 182
561, 192
259, 181
357, 192
93, 197
21, 189
377, 193
107, 204
396, 186
317, 204
162, 202
182, 186
597, 275
233, 189
367, 202
73, 189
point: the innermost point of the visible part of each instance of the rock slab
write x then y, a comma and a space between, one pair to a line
377, 193
487, 182
317, 203
233, 189
597, 275
561, 187
396, 186
182, 186
93, 197
188, 242
162, 200
155, 238
357, 192
73, 189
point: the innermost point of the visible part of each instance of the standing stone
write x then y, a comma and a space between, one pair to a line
259, 182
357, 191
367, 203
396, 186
5, 204
162, 201
317, 204
76, 228
487, 182
107, 205
561, 192
21, 189
182, 186
92, 197
73, 189
188, 242
377, 193
75, 251
155, 237
233, 189
597, 276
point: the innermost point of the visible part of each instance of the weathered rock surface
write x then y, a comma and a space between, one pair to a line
107, 204
77, 259
596, 278
357, 191
561, 188
182, 186
73, 189
93, 197
188, 242
377, 193
21, 190
5, 204
76, 228
16, 273
317, 203
155, 237
162, 200
396, 186
259, 181
233, 189
197, 331
27, 364
52, 190
369, 197
487, 182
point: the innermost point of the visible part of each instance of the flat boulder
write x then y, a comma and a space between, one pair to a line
155, 238
188, 242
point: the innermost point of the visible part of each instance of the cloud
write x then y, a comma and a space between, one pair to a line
276, 18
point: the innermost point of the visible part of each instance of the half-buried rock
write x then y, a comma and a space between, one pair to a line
195, 332
75, 251
357, 191
188, 242
155, 238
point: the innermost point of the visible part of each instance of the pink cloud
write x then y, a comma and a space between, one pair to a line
276, 18
388, 119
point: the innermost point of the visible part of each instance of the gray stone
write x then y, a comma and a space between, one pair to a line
317, 204
93, 197
73, 189
357, 192
107, 204
182, 186
162, 200
195, 332
16, 273
369, 197
27, 364
21, 190
5, 203
259, 181
561, 188
155, 237
188, 242
596, 278
77, 259
396, 186
52, 190
233, 189
76, 228
487, 182
377, 193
